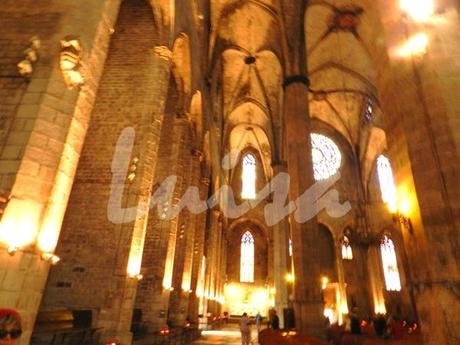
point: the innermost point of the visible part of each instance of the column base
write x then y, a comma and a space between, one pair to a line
309, 318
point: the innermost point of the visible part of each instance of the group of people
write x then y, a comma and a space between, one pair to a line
245, 325
10, 326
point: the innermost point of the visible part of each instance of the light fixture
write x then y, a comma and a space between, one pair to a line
324, 282
136, 276
12, 250
414, 46
69, 61
51, 258
290, 278
400, 213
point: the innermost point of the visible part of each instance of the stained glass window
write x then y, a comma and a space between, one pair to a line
247, 258
326, 157
390, 265
249, 177
386, 180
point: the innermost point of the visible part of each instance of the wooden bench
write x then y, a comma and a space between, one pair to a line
64, 327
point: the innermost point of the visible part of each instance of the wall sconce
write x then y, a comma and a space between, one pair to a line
69, 62
25, 67
51, 258
290, 278
324, 282
399, 214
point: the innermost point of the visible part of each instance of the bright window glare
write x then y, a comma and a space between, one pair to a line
326, 157
419, 10
247, 258
390, 265
249, 177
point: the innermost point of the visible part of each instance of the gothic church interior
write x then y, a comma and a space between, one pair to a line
116, 113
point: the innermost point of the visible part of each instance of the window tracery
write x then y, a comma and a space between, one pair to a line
390, 265
249, 177
247, 258
326, 157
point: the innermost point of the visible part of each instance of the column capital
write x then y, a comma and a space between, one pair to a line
163, 52
297, 78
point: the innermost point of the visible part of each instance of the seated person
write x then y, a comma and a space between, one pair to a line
10, 326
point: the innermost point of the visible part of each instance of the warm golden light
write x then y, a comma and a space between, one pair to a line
404, 207
51, 258
418, 10
324, 282
290, 278
415, 45
20, 223
380, 309
392, 207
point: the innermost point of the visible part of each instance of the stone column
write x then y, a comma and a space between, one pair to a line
419, 95
43, 125
198, 284
281, 256
307, 290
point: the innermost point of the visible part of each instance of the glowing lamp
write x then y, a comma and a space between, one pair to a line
51, 258
137, 276
165, 331
290, 278
401, 214
415, 46
324, 282
418, 10
112, 342
12, 250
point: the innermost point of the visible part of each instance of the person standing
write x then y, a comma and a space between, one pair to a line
245, 328
10, 326
258, 322
275, 321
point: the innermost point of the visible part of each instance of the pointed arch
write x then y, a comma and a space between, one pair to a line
247, 258
248, 176
390, 264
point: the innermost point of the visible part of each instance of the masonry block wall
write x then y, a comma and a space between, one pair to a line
43, 127
418, 118
132, 94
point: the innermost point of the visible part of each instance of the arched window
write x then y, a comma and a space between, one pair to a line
386, 180
325, 155
390, 265
247, 258
249, 177
347, 252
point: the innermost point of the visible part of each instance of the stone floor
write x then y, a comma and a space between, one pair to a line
230, 335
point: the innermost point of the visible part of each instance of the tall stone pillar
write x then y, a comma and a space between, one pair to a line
197, 282
419, 94
307, 289
281, 256
43, 124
